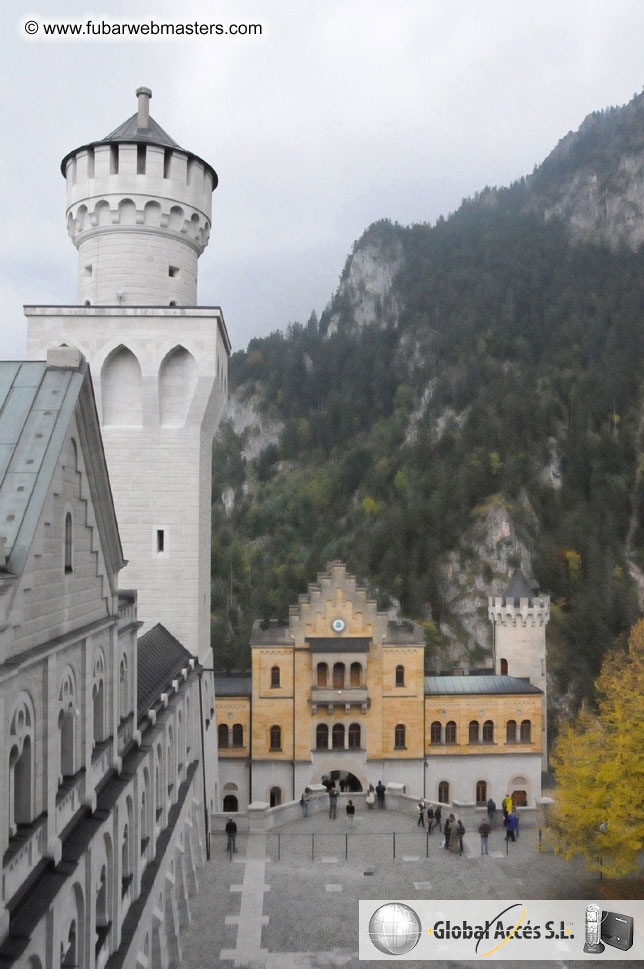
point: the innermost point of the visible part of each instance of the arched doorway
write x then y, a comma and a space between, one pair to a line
343, 780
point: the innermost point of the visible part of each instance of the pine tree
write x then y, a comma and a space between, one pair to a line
599, 764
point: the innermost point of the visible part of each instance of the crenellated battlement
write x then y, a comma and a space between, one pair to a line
139, 211
533, 611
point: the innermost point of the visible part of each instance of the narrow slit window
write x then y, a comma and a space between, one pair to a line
167, 157
160, 540
114, 159
173, 271
140, 159
68, 543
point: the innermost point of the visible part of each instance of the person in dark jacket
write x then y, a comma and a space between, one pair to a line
380, 794
510, 827
333, 802
231, 831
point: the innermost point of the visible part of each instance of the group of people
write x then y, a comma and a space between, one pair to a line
510, 822
375, 795
433, 815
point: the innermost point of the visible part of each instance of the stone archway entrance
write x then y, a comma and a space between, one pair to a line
343, 780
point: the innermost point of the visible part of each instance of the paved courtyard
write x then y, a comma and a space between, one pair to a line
291, 902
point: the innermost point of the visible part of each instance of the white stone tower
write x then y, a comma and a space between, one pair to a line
519, 618
139, 213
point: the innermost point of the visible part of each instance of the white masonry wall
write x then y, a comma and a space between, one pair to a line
157, 434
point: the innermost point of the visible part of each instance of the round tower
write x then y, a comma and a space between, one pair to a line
139, 213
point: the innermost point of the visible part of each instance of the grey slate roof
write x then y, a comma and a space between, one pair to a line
463, 685
339, 644
233, 685
160, 659
520, 587
36, 406
154, 133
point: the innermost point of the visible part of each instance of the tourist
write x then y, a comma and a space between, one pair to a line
430, 818
304, 801
460, 831
351, 810
437, 818
484, 830
380, 794
506, 804
491, 812
231, 831
333, 802
448, 831
371, 797
420, 809
510, 827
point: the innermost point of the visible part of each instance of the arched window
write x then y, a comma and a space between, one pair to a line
435, 732
443, 792
21, 764
488, 732
504, 667
222, 735
473, 732
69, 543
275, 676
400, 676
337, 736
526, 729
123, 691
511, 732
399, 736
276, 737
322, 736
66, 724
356, 674
275, 796
481, 792
450, 732
231, 804
238, 735
354, 736
323, 674
338, 676
98, 698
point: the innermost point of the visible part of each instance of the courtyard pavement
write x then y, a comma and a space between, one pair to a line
291, 902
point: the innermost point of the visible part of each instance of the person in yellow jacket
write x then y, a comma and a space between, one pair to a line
506, 804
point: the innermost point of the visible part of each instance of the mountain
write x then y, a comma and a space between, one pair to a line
470, 401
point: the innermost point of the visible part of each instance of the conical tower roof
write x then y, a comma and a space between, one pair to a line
140, 128
520, 587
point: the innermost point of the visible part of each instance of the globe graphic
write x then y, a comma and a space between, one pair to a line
394, 929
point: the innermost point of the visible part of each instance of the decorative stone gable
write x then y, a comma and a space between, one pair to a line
336, 607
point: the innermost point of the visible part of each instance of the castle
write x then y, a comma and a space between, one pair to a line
105, 672
340, 692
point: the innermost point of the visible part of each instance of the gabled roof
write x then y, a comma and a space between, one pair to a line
463, 685
160, 659
37, 403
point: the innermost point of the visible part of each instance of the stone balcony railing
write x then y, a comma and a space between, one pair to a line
328, 696
25, 850
69, 799
101, 762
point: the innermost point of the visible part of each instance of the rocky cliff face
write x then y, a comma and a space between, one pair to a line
594, 179
365, 294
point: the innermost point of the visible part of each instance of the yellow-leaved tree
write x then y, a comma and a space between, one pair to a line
599, 765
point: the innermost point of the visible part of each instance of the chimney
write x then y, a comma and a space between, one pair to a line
143, 118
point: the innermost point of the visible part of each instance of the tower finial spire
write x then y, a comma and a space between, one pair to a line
143, 117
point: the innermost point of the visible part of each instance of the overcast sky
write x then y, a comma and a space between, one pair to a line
341, 113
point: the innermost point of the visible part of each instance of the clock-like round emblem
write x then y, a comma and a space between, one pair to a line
338, 625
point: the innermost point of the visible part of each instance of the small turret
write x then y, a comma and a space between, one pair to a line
139, 213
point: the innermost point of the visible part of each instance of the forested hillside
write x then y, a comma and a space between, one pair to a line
470, 401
